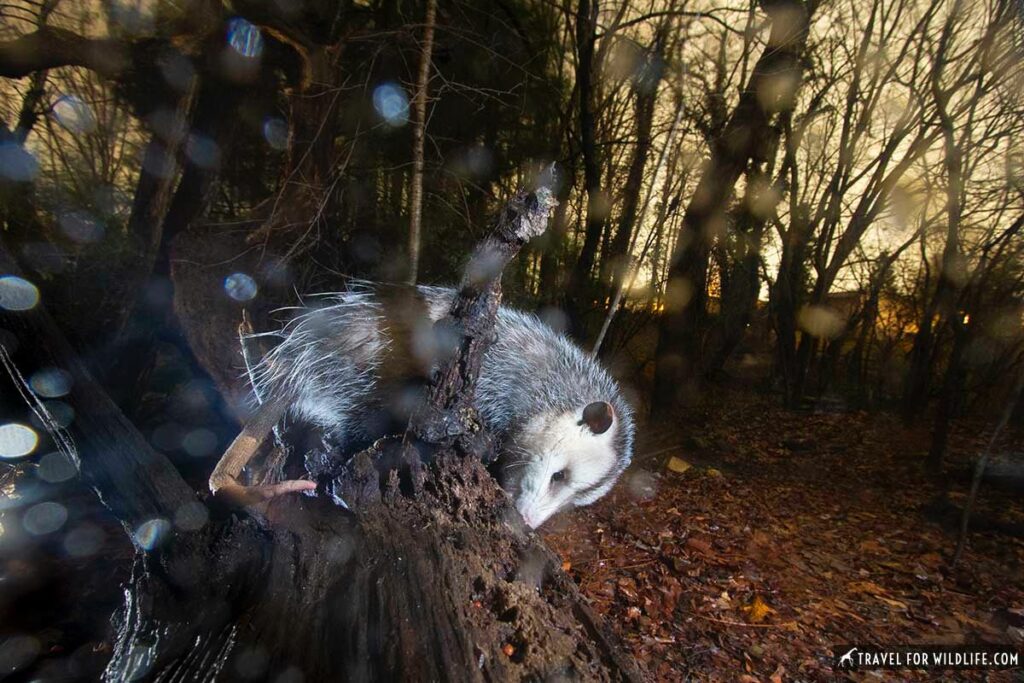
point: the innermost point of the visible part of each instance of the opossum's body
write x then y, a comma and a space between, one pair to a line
566, 432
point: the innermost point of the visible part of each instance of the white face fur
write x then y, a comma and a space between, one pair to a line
568, 464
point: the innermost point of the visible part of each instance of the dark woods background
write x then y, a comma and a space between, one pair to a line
820, 200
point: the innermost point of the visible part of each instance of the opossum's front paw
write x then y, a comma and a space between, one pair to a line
236, 495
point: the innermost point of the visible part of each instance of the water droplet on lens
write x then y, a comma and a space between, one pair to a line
202, 151
240, 287
55, 468
44, 518
166, 437
177, 70
245, 38
51, 382
84, 540
17, 294
252, 663
191, 516
17, 440
275, 131
555, 318
157, 162
44, 257
61, 413
81, 227
391, 103
200, 443
151, 534
17, 164
74, 114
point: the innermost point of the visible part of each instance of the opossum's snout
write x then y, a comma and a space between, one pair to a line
561, 461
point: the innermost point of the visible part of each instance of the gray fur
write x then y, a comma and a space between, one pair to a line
328, 360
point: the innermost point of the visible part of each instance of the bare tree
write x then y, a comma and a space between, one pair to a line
419, 131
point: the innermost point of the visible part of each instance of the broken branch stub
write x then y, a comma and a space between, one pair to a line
447, 415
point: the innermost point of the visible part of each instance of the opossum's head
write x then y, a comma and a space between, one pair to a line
560, 460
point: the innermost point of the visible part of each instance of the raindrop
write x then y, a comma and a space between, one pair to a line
61, 413
391, 103
166, 437
17, 294
275, 271
177, 70
81, 227
55, 468
202, 151
17, 164
157, 162
252, 663
477, 162
240, 287
84, 540
823, 322
151, 534
132, 18
245, 38
641, 485
200, 443
74, 114
44, 518
290, 675
275, 131
17, 440
191, 516
51, 382
555, 318
43, 257
170, 124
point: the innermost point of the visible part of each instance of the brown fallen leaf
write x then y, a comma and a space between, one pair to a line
678, 465
758, 610
699, 545
869, 587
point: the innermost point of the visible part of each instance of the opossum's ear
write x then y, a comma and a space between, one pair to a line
598, 416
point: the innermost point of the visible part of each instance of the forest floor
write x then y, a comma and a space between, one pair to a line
784, 535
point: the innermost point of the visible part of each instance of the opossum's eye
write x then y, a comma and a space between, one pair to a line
558, 476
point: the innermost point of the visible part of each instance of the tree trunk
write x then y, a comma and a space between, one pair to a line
772, 89
645, 93
580, 281
419, 133
949, 400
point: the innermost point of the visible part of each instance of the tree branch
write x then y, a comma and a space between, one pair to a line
51, 47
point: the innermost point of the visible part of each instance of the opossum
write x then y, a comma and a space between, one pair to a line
564, 430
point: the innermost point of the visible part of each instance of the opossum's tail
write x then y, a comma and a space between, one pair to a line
224, 480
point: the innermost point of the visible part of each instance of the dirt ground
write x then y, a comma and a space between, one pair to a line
787, 533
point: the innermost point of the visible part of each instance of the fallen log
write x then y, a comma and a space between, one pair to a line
429, 573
